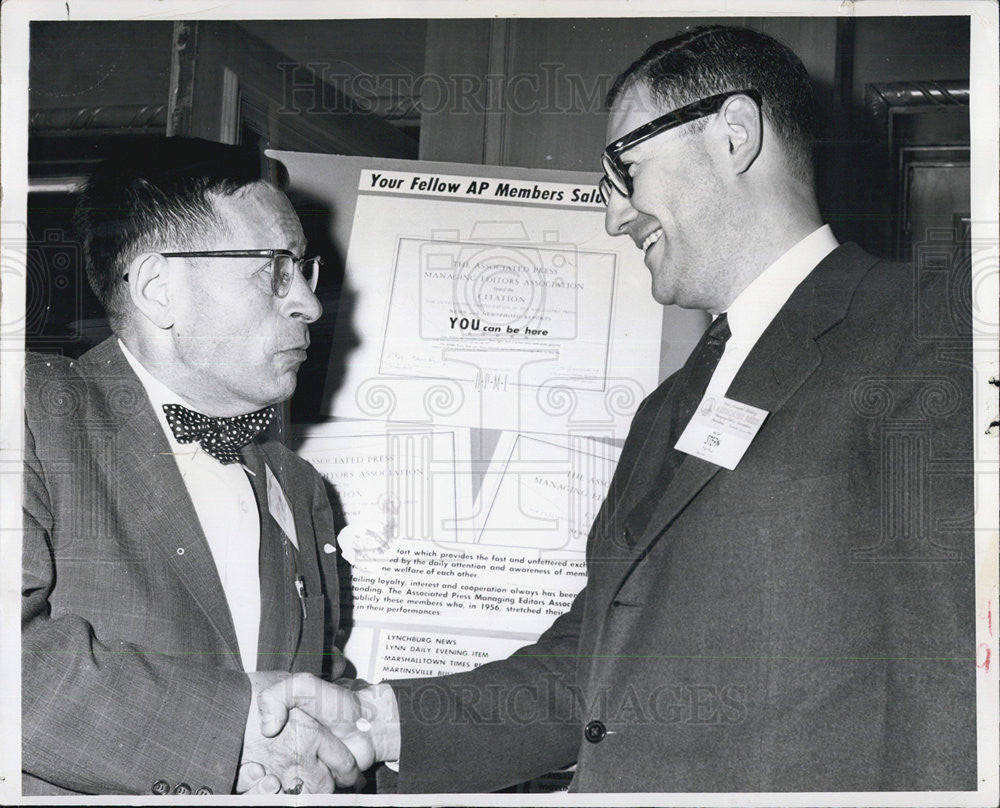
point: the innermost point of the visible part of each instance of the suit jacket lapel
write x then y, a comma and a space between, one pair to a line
783, 358
649, 456
644, 475
146, 473
280, 612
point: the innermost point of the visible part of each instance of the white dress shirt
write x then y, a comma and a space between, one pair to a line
224, 500
754, 308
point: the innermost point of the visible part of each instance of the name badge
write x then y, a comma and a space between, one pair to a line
721, 430
280, 509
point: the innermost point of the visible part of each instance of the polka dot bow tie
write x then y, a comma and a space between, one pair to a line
222, 438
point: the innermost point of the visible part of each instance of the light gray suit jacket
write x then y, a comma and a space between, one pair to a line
131, 668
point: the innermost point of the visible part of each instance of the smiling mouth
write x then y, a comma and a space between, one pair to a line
651, 239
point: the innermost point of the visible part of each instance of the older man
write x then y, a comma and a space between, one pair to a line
173, 560
802, 621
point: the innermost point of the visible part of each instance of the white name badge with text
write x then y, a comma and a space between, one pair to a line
721, 430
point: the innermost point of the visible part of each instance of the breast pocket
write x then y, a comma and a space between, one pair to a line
313, 608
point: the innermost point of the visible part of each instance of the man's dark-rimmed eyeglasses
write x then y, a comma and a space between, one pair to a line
283, 265
616, 174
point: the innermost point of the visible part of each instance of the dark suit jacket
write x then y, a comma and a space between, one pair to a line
803, 623
131, 668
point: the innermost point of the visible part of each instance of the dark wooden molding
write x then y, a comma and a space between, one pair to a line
844, 64
495, 131
882, 99
131, 118
906, 118
182, 68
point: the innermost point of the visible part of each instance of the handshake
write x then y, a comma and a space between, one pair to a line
304, 735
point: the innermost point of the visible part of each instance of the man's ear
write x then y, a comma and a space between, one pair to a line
148, 276
743, 130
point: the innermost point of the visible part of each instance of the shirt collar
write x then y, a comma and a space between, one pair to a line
756, 306
159, 394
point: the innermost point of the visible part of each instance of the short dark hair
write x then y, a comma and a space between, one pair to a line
714, 59
155, 197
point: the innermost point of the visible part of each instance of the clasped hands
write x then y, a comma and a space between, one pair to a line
304, 735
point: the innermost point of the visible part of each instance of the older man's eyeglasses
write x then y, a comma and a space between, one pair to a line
283, 265
616, 176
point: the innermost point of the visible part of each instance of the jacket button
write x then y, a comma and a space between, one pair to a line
182, 788
595, 732
204, 790
161, 787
